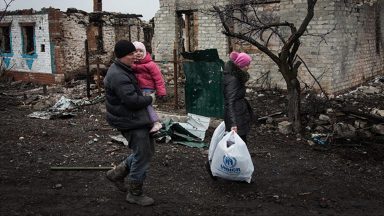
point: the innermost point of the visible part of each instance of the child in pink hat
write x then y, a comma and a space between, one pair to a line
150, 80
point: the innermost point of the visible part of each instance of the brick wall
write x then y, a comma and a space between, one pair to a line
165, 31
56, 35
208, 26
75, 26
60, 42
35, 77
74, 34
346, 57
357, 56
40, 61
317, 53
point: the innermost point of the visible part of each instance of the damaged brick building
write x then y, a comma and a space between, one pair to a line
353, 50
49, 46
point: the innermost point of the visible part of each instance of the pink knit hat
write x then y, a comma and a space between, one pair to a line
240, 59
140, 46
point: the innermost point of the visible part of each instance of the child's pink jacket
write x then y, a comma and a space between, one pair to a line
148, 75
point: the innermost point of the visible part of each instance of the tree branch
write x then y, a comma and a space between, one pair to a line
303, 26
309, 71
4, 12
245, 38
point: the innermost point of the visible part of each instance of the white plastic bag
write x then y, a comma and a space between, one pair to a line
218, 134
231, 159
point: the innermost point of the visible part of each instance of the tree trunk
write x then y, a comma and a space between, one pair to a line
293, 96
293, 87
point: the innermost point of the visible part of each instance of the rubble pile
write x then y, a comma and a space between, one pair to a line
354, 115
357, 114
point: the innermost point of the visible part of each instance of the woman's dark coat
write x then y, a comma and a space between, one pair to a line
237, 111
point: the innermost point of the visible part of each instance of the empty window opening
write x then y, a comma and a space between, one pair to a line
28, 33
5, 39
42, 48
95, 38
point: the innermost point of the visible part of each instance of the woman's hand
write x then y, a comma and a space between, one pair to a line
234, 128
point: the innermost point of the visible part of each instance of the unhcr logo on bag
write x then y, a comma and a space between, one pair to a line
228, 165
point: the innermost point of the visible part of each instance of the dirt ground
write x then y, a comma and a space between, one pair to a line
291, 177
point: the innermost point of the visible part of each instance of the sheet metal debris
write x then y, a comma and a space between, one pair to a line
190, 133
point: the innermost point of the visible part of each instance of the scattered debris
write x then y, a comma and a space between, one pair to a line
378, 129
62, 106
363, 115
265, 118
51, 115
285, 127
57, 186
354, 115
120, 139
321, 139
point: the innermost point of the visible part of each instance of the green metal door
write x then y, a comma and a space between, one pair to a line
203, 87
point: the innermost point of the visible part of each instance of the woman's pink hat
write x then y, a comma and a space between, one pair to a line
240, 59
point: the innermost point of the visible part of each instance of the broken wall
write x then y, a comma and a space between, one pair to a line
102, 30
348, 55
73, 43
30, 52
49, 46
339, 46
359, 53
206, 29
317, 52
164, 38
56, 35
263, 71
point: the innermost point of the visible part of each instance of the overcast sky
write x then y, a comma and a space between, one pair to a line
147, 8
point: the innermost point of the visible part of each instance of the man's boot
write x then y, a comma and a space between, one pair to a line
136, 196
117, 175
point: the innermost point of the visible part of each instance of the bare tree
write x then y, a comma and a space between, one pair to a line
7, 4
3, 13
242, 20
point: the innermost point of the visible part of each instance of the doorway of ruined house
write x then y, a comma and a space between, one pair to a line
186, 39
187, 31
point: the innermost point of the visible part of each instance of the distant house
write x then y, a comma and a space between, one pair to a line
48, 46
352, 53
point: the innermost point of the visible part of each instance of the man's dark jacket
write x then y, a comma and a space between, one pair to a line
237, 111
126, 106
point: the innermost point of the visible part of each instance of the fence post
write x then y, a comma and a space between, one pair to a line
98, 76
175, 78
87, 66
